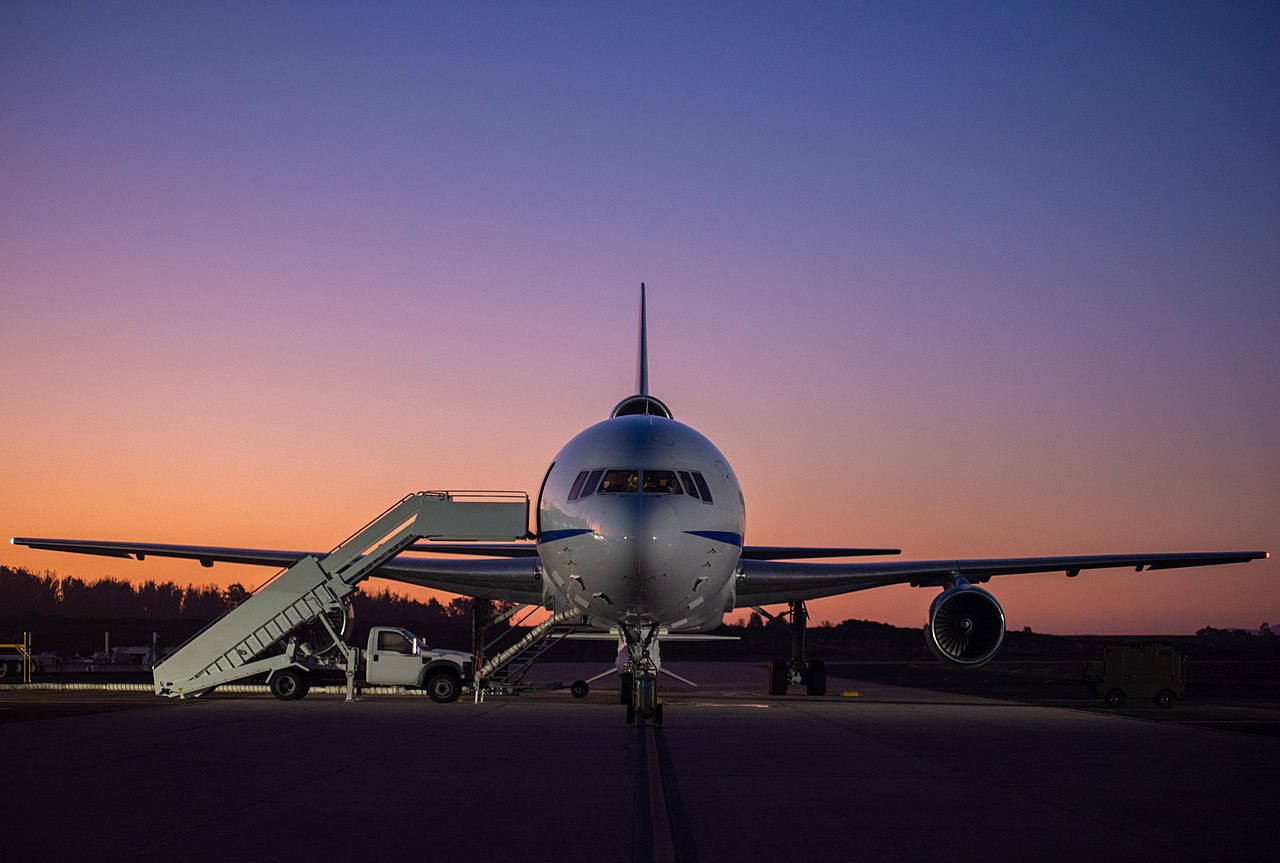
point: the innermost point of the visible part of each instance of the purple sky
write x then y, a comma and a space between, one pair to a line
973, 279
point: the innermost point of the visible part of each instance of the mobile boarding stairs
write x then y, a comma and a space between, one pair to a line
504, 673
262, 633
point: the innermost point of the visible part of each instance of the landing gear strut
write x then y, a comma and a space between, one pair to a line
640, 675
796, 669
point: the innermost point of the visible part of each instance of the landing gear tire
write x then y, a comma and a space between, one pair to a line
579, 688
1114, 697
646, 696
644, 701
779, 676
816, 680
289, 684
1164, 698
624, 695
443, 687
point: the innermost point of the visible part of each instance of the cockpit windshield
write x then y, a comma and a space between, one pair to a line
616, 481
660, 482
630, 480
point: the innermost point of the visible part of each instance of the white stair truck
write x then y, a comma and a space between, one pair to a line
279, 629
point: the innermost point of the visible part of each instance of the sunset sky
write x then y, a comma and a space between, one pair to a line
969, 279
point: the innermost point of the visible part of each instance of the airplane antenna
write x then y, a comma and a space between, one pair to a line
642, 363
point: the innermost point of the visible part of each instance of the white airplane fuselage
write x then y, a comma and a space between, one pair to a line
640, 524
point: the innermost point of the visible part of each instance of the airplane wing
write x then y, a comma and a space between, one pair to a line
208, 555
505, 579
763, 582
512, 579
750, 552
765, 579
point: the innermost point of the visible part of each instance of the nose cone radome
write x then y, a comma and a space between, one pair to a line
642, 536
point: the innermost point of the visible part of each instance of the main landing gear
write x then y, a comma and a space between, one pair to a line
784, 672
640, 675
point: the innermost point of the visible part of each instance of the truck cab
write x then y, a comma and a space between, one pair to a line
396, 657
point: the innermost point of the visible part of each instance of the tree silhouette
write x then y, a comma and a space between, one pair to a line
236, 594
27, 594
160, 600
204, 603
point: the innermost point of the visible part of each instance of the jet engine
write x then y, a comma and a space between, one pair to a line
966, 625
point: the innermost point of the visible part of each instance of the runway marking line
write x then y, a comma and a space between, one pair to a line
662, 833
664, 849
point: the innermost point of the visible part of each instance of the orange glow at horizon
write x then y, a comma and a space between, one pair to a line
953, 501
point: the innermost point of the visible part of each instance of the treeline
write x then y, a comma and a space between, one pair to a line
69, 614
25, 594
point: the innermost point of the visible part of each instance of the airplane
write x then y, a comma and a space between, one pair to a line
640, 529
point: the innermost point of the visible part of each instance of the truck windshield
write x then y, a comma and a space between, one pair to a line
398, 641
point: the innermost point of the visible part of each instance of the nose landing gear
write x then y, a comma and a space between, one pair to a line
644, 701
640, 675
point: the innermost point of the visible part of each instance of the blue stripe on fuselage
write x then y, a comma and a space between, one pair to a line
556, 535
718, 536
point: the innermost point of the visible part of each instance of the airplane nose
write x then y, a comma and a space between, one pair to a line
638, 534
655, 534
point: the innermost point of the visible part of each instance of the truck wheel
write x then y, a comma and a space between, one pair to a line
289, 684
4, 668
1114, 697
443, 687
1164, 698
580, 688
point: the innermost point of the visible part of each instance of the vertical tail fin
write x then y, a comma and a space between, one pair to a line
642, 402
642, 361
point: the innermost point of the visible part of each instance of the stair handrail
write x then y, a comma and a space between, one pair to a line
532, 635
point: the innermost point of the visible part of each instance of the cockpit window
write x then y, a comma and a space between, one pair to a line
689, 488
616, 481
585, 484
703, 491
576, 491
660, 482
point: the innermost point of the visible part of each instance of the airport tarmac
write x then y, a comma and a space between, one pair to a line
888, 773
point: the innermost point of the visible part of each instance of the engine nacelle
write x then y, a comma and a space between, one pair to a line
966, 625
